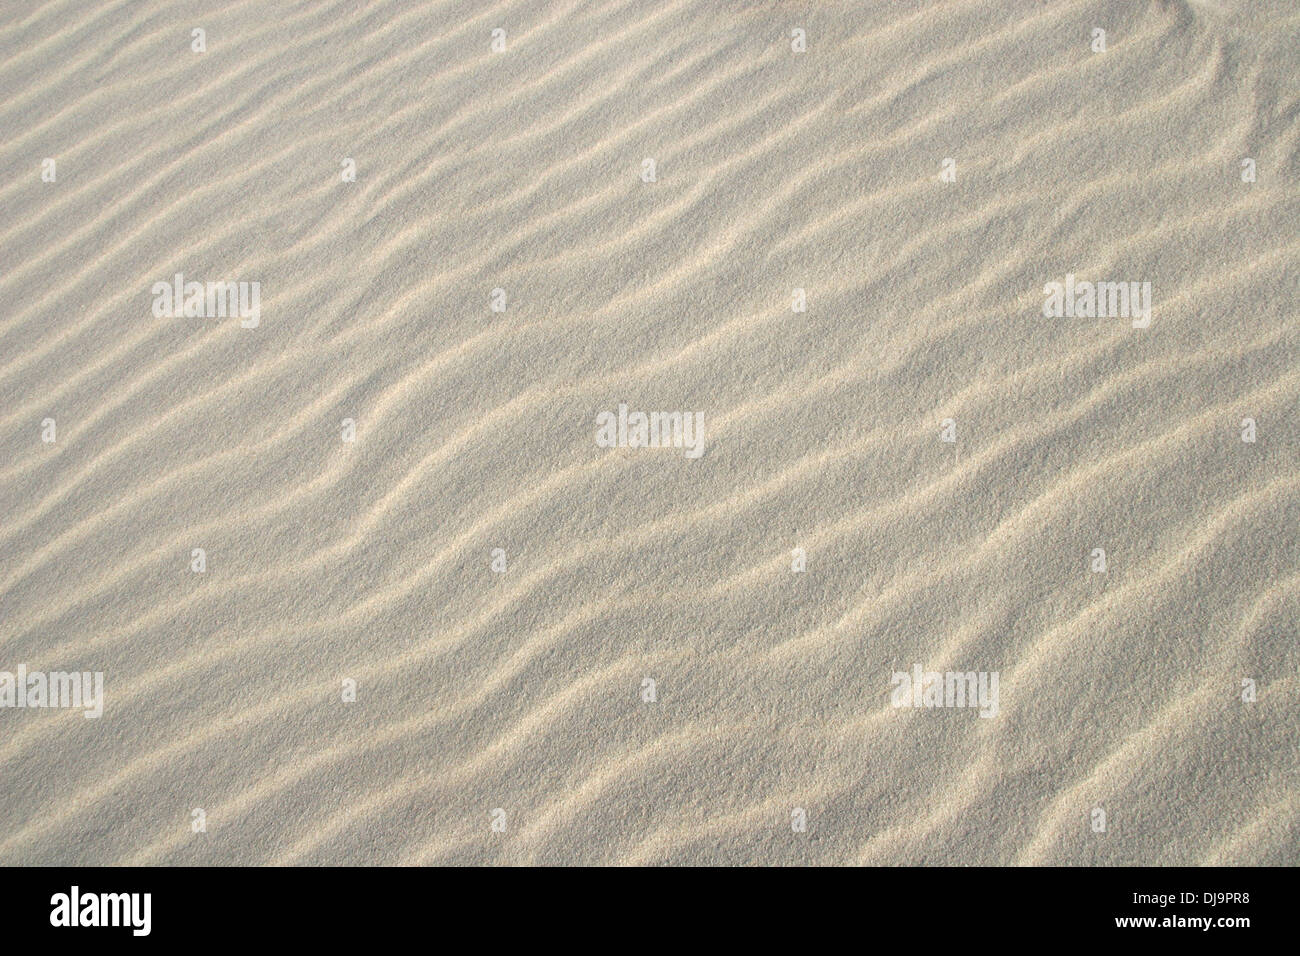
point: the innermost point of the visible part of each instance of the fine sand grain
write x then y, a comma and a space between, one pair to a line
639, 674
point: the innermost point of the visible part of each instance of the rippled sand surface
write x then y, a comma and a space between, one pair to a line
569, 653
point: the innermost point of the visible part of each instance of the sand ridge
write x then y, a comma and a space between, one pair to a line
837, 257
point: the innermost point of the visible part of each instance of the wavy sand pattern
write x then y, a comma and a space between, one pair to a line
524, 690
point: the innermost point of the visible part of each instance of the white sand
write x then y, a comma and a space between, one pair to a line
475, 430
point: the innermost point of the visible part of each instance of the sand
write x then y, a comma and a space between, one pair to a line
567, 650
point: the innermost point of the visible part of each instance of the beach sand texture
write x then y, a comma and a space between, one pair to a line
506, 715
